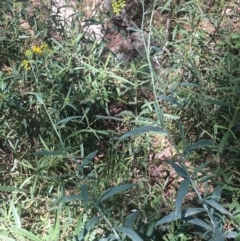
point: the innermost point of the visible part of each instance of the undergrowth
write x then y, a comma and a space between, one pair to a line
145, 147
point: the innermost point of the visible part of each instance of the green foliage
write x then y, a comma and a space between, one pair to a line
81, 133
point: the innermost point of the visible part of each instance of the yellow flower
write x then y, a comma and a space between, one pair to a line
118, 5
37, 49
26, 64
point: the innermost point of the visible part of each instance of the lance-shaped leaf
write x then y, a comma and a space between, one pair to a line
179, 170
181, 194
199, 144
218, 235
131, 219
65, 120
217, 194
130, 233
192, 211
180, 215
141, 130
85, 195
68, 198
88, 159
38, 96
87, 227
199, 222
168, 218
217, 206
112, 191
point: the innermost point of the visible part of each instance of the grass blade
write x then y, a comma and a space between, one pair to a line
10, 189
25, 233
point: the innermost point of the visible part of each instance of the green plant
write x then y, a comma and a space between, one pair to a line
62, 97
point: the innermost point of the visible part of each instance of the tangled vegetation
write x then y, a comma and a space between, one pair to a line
102, 141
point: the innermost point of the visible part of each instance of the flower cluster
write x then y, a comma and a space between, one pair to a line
118, 5
35, 50
26, 64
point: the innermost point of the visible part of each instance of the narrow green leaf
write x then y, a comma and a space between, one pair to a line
108, 118
173, 117
191, 211
141, 130
55, 231
181, 194
189, 84
166, 98
168, 218
112, 191
70, 198
200, 223
25, 233
44, 143
47, 153
179, 170
131, 219
65, 120
15, 215
88, 159
217, 206
215, 102
111, 237
38, 96
201, 167
2, 237
2, 84
166, 6
150, 228
223, 141
129, 232
200, 144
87, 227
10, 189
169, 99
123, 80
218, 235
85, 195
206, 178
180, 215
90, 67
